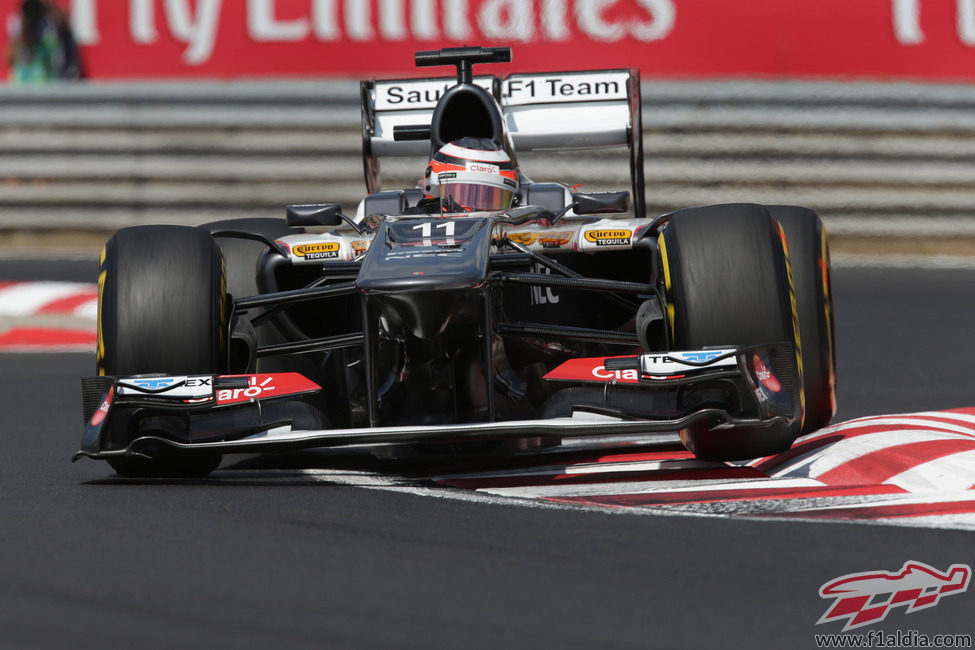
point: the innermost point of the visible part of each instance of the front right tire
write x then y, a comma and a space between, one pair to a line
727, 279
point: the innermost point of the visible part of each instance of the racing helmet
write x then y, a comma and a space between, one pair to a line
472, 174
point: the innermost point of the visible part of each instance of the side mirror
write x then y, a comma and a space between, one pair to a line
316, 214
601, 202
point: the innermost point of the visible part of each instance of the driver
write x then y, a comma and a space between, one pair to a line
472, 174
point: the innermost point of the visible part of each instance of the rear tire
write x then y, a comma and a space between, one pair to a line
809, 254
162, 309
726, 272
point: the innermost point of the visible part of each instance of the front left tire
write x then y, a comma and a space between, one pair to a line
162, 308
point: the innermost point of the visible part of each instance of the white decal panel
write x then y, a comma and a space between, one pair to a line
176, 387
564, 87
418, 93
326, 247
602, 238
516, 90
675, 362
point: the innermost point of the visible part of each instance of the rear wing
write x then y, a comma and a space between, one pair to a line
541, 111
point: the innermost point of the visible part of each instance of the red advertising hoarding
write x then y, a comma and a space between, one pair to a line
863, 39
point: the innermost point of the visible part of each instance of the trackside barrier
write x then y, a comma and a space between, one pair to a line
872, 158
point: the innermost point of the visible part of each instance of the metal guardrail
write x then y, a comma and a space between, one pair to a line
872, 158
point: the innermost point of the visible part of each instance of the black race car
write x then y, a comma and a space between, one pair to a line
421, 323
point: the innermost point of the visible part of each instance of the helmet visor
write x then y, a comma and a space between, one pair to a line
475, 197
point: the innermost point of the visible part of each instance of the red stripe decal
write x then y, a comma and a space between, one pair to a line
34, 337
880, 465
68, 304
592, 369
967, 410
770, 463
264, 386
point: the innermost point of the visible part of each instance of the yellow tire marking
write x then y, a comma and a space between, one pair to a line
827, 306
795, 328
662, 246
100, 349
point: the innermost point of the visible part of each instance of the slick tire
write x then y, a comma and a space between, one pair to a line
809, 254
726, 274
162, 309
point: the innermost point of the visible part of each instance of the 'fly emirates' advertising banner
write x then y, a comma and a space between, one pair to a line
825, 39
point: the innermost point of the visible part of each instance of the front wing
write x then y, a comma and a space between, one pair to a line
190, 413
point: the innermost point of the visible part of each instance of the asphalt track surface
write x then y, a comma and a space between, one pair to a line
273, 559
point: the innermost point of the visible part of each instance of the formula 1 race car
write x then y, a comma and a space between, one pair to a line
480, 311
